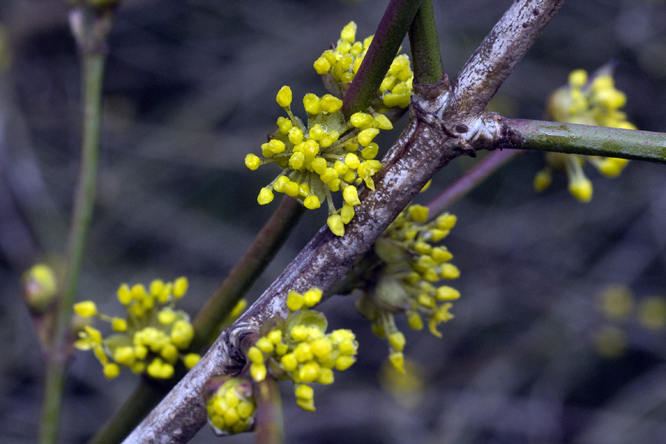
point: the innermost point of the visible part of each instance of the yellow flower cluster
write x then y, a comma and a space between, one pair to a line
406, 283
621, 310
300, 350
328, 155
585, 101
331, 153
231, 407
339, 65
151, 338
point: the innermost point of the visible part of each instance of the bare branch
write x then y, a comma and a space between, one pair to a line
500, 52
424, 147
442, 127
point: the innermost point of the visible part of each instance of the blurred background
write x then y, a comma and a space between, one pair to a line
539, 351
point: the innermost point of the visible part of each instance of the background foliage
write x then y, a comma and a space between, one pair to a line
190, 89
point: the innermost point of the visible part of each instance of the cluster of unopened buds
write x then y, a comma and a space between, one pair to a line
152, 337
299, 349
230, 405
586, 101
331, 153
406, 282
338, 67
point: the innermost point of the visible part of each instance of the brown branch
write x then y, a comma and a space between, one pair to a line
442, 126
499, 53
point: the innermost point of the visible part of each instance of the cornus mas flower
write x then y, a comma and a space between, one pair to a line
153, 336
331, 153
328, 155
338, 67
230, 405
300, 350
406, 282
585, 101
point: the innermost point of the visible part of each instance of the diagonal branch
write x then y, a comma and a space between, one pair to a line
425, 146
499, 53
422, 150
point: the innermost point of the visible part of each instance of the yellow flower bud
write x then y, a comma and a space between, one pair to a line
350, 195
85, 309
330, 104
397, 340
366, 136
336, 225
258, 372
398, 361
322, 66
418, 213
111, 370
311, 202
294, 300
284, 97
265, 196
191, 359
581, 189
119, 324
349, 32
252, 161
312, 297
312, 104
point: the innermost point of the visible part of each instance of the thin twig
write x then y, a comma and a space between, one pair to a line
90, 29
471, 179
424, 44
390, 33
269, 429
590, 140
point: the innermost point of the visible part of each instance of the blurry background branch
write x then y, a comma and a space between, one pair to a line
189, 92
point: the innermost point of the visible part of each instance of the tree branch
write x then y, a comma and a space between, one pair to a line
442, 126
499, 53
424, 147
590, 140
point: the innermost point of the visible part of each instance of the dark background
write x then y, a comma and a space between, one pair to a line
190, 90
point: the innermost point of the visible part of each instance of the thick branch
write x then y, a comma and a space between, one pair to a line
499, 53
440, 129
424, 147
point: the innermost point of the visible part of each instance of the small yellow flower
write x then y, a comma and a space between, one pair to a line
151, 338
85, 309
331, 153
407, 280
586, 101
231, 407
301, 349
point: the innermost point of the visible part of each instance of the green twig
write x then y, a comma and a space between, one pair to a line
143, 399
90, 30
392, 28
269, 429
263, 249
424, 44
590, 140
